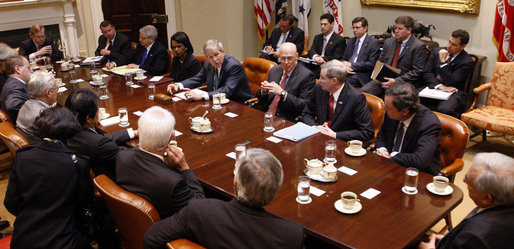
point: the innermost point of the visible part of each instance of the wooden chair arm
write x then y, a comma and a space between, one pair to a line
451, 170
482, 88
252, 102
202, 87
183, 244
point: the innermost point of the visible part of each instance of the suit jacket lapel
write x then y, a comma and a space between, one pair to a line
341, 100
409, 43
411, 130
324, 106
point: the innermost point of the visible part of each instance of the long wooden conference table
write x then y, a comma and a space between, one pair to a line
392, 219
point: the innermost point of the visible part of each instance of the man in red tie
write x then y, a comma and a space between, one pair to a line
288, 87
403, 51
337, 108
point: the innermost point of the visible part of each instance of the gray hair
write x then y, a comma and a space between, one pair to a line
155, 128
149, 30
40, 82
405, 96
211, 44
336, 69
6, 51
497, 177
259, 176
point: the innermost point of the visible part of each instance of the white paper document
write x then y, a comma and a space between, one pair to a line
435, 94
183, 96
156, 78
316, 191
370, 193
274, 139
296, 132
347, 170
89, 60
231, 114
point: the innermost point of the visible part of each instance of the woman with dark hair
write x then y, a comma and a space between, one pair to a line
44, 191
185, 65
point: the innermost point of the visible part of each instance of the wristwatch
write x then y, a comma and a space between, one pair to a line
283, 94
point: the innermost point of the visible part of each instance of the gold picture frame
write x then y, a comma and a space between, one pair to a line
462, 6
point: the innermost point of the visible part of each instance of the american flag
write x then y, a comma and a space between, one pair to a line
503, 29
262, 10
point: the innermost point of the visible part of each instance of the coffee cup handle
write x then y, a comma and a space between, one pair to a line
190, 120
348, 143
305, 162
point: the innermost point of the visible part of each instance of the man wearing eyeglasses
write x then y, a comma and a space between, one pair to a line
150, 54
361, 54
38, 45
289, 85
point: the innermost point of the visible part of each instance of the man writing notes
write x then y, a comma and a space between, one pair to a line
448, 69
287, 98
403, 51
223, 74
239, 223
326, 46
411, 133
150, 54
490, 183
337, 108
39, 45
115, 47
156, 170
286, 32
361, 53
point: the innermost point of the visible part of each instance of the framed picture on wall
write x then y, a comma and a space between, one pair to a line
462, 6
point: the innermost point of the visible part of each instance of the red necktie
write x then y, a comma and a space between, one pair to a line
330, 109
274, 104
397, 53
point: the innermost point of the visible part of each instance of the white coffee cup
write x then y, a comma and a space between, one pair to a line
205, 124
329, 172
314, 166
196, 122
355, 146
440, 183
349, 200
140, 75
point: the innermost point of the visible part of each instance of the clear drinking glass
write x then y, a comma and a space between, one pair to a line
330, 151
128, 79
216, 101
123, 114
304, 185
151, 91
411, 181
268, 122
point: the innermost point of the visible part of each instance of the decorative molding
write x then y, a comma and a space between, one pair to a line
462, 6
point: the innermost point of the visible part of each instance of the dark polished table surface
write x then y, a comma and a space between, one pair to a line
392, 219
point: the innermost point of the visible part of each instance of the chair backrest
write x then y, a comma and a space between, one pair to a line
257, 70
133, 46
132, 213
201, 59
4, 117
376, 108
502, 83
454, 138
170, 58
182, 244
12, 138
305, 51
473, 78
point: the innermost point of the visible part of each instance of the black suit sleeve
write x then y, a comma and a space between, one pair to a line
169, 229
339, 48
418, 65
101, 45
309, 112
300, 41
13, 199
199, 79
297, 103
159, 62
364, 130
124, 56
187, 189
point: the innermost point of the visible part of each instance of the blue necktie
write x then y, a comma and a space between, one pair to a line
355, 50
144, 57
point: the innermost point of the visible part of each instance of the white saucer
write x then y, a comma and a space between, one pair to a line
225, 101
447, 191
319, 177
201, 131
140, 78
406, 192
307, 202
325, 161
339, 207
362, 152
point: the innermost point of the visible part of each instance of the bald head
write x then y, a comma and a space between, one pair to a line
288, 56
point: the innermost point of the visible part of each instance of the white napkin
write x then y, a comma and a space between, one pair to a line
110, 121
370, 193
231, 114
347, 170
274, 139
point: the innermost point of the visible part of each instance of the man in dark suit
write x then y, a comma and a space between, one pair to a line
15, 91
287, 98
403, 51
326, 46
285, 33
115, 47
5, 53
239, 223
490, 225
336, 108
411, 133
223, 74
150, 54
447, 69
156, 170
100, 148
361, 53
39, 45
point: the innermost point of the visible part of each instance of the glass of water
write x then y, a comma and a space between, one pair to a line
411, 181
330, 151
268, 122
128, 79
216, 101
151, 91
123, 114
304, 185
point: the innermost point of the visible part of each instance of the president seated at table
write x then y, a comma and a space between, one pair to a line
223, 74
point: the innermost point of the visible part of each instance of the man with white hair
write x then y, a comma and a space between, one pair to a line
223, 74
157, 171
490, 183
239, 223
337, 108
43, 92
150, 54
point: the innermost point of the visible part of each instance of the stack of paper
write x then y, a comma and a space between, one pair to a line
435, 94
182, 95
94, 59
122, 70
296, 132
